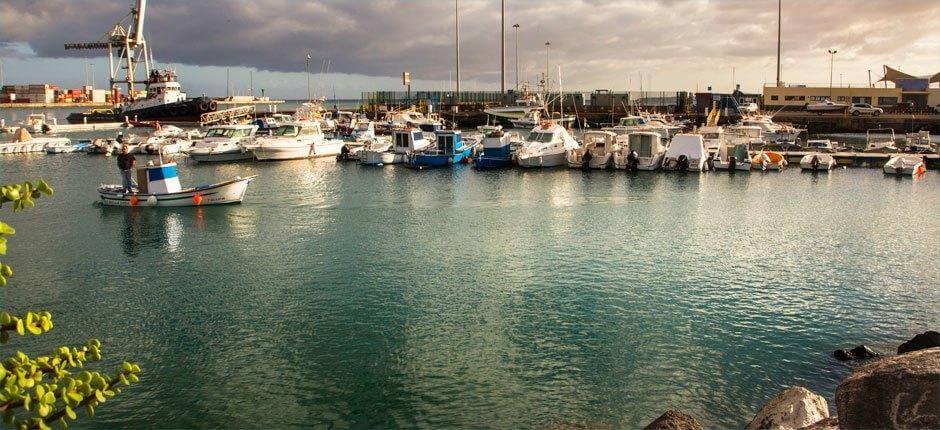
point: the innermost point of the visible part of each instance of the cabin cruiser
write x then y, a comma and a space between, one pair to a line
360, 135
771, 131
732, 155
104, 146
596, 151
546, 146
450, 149
642, 150
294, 140
270, 122
405, 119
23, 143
497, 150
906, 165
225, 143
526, 103
769, 160
635, 123
826, 106
821, 145
880, 142
399, 149
818, 161
713, 136
920, 142
686, 152
166, 139
38, 123
535, 117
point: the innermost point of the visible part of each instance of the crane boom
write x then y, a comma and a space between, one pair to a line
139, 21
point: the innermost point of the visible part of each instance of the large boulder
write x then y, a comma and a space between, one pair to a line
794, 408
895, 392
674, 420
831, 423
927, 339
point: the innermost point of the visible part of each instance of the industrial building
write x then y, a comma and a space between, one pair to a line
917, 91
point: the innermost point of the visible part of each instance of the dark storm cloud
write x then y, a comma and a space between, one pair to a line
384, 37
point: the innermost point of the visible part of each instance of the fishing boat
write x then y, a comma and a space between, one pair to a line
643, 150
225, 143
160, 186
876, 141
818, 162
295, 140
450, 149
686, 152
546, 146
24, 143
920, 142
906, 165
497, 150
732, 156
769, 160
596, 151
399, 149
67, 147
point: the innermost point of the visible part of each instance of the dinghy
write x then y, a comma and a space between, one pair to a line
769, 160
160, 186
912, 165
23, 143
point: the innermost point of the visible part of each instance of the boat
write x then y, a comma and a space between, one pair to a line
826, 106
527, 102
713, 136
920, 142
732, 155
165, 101
270, 122
160, 186
168, 139
535, 117
67, 147
906, 165
686, 152
643, 150
876, 142
450, 149
769, 160
24, 143
295, 140
634, 123
497, 150
406, 119
596, 151
817, 162
361, 134
399, 149
545, 146
771, 131
225, 143
821, 145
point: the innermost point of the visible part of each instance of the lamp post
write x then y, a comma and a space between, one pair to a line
548, 50
516, 26
307, 72
832, 56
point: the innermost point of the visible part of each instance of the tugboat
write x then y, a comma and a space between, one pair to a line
165, 101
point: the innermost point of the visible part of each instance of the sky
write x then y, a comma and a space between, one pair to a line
663, 45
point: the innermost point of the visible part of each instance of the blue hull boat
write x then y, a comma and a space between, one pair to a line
450, 150
497, 152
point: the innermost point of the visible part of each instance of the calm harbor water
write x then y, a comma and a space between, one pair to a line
342, 296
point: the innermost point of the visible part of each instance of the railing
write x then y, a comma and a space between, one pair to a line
226, 114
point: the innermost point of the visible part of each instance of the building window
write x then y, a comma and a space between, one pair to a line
887, 101
861, 100
775, 97
802, 98
789, 98
840, 98
817, 98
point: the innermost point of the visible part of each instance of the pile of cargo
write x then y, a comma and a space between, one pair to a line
49, 93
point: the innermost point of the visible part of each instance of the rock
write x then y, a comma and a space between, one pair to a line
902, 391
862, 352
794, 408
927, 339
674, 420
842, 355
831, 423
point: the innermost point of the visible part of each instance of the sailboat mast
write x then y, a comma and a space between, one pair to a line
502, 47
779, 28
457, 44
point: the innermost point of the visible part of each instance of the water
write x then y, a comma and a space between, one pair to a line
344, 296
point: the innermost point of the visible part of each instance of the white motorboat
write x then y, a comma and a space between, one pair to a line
160, 186
713, 136
399, 149
642, 150
546, 146
821, 145
771, 131
535, 117
225, 143
880, 140
596, 151
301, 139
686, 152
634, 123
818, 162
920, 142
732, 155
66, 147
23, 143
826, 106
168, 139
906, 165
527, 102
103, 146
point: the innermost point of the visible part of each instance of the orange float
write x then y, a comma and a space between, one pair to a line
197, 199
134, 200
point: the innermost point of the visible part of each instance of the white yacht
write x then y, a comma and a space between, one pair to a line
713, 136
546, 146
537, 116
300, 139
167, 139
686, 152
771, 131
225, 143
880, 140
394, 151
526, 103
635, 123
596, 151
23, 143
906, 165
920, 142
642, 150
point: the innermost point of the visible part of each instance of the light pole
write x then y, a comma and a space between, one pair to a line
516, 26
307, 72
832, 56
548, 50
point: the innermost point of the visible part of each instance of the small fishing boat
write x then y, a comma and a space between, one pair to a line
769, 160
546, 146
732, 157
880, 142
686, 152
920, 142
450, 149
398, 150
818, 162
905, 165
596, 151
644, 150
24, 143
225, 143
497, 150
160, 186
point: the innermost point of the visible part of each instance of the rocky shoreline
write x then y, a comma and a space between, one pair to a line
889, 392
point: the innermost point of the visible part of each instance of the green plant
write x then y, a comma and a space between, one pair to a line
36, 392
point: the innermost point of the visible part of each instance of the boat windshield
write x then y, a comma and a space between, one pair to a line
631, 122
536, 136
287, 130
227, 132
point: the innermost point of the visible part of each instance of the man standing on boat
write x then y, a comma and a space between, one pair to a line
126, 163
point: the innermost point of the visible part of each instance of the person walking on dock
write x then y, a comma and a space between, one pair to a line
126, 163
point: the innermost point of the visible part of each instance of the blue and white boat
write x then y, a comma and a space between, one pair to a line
450, 149
497, 150
159, 185
399, 149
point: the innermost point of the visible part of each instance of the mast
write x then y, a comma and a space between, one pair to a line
502, 47
457, 45
779, 27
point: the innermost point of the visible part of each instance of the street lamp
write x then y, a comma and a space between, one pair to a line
516, 26
832, 56
548, 50
307, 72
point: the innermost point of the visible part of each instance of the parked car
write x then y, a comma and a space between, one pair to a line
864, 108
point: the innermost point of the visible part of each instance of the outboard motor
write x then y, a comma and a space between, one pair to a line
732, 163
344, 152
815, 162
633, 161
682, 163
586, 160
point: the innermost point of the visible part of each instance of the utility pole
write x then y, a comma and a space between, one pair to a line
779, 28
502, 48
516, 26
832, 56
869, 79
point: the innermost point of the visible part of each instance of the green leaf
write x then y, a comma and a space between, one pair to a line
20, 328
6, 230
90, 410
70, 412
100, 396
3, 245
75, 397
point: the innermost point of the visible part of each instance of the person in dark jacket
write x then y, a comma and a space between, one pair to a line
126, 163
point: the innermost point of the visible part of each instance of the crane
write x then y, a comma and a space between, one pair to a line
126, 39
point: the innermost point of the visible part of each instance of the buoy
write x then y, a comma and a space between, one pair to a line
134, 200
197, 199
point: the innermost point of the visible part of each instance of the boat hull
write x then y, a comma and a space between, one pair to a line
184, 111
823, 163
270, 152
220, 156
439, 160
485, 163
227, 192
380, 158
547, 160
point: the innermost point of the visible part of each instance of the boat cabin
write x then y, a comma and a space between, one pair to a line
450, 142
408, 141
496, 143
299, 129
599, 142
646, 144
